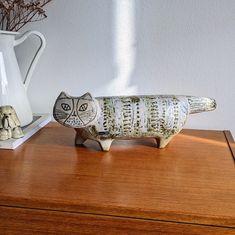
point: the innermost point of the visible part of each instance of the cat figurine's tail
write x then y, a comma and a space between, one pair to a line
201, 104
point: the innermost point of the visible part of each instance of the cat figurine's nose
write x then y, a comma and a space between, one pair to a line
74, 114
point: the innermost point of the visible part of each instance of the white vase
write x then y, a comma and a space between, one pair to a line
12, 87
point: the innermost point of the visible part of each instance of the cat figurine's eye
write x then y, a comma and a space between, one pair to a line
65, 107
83, 107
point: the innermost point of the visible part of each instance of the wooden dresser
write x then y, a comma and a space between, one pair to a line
49, 186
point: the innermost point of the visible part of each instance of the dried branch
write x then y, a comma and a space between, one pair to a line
15, 14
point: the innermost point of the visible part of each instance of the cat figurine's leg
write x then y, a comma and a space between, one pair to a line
162, 142
79, 140
105, 144
17, 133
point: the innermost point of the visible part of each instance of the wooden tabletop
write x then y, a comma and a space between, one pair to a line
192, 180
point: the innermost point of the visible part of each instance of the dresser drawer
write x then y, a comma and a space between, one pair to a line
31, 221
49, 186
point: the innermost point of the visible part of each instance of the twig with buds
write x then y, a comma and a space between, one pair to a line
14, 14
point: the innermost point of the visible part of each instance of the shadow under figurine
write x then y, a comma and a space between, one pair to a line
104, 119
9, 123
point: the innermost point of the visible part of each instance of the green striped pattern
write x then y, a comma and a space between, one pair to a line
142, 116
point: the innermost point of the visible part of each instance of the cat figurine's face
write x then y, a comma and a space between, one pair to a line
75, 112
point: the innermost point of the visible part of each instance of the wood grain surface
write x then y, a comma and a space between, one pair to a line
192, 180
231, 142
30, 222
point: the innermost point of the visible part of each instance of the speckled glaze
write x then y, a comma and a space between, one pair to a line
105, 119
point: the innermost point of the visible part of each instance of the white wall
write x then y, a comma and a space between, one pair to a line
154, 47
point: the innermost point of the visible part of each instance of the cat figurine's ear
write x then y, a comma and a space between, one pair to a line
87, 96
63, 95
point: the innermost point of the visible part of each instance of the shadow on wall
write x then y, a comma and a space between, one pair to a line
124, 48
90, 47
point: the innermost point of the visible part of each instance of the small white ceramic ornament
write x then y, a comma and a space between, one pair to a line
9, 123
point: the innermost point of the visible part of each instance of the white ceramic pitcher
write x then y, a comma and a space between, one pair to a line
12, 86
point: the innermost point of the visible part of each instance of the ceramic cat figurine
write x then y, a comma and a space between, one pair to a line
9, 123
104, 119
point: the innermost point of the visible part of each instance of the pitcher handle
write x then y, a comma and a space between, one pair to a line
36, 56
